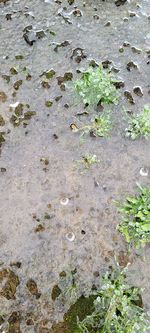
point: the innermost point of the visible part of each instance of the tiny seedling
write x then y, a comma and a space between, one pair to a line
139, 125
96, 86
100, 126
88, 160
117, 308
135, 224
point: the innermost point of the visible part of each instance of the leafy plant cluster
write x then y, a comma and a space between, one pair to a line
95, 86
135, 224
139, 125
100, 126
117, 308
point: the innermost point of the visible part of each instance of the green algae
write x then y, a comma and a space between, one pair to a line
81, 308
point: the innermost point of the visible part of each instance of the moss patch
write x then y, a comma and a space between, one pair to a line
82, 308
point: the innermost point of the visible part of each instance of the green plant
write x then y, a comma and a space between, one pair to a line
95, 86
139, 125
99, 126
117, 308
135, 224
88, 160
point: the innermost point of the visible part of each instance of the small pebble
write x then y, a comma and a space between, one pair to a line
64, 201
70, 236
144, 172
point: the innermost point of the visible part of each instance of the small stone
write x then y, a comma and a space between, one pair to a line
49, 74
66, 106
3, 170
120, 2
77, 12
8, 16
64, 201
19, 57
2, 121
28, 77
40, 34
106, 63
78, 54
67, 77
96, 274
138, 91
70, 2
33, 289
136, 50
129, 97
56, 291
96, 17
39, 228
3, 97
2, 138
28, 28
29, 114
132, 14
6, 77
45, 84
55, 136
126, 44
131, 65
17, 84
93, 64
30, 37
57, 99
13, 106
70, 236
29, 14
144, 172
119, 84
17, 264
13, 71
96, 183
107, 24
121, 49
44, 160
63, 44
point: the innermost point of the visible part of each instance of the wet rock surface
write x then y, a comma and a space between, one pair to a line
37, 107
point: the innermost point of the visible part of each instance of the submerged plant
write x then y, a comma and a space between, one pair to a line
95, 86
139, 125
117, 308
135, 225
